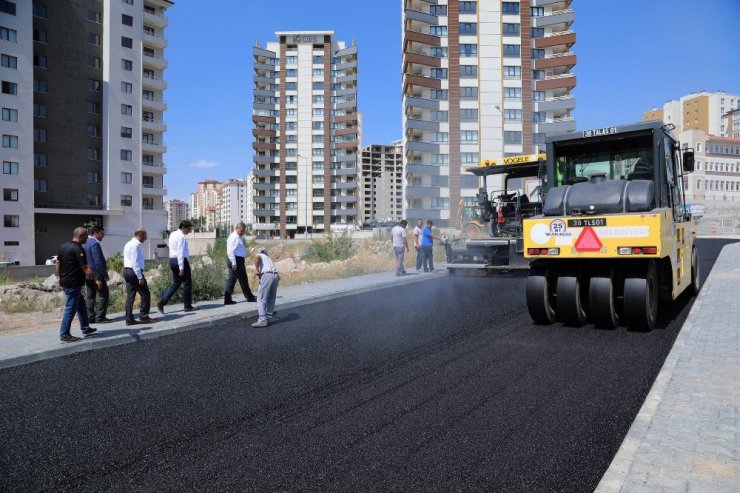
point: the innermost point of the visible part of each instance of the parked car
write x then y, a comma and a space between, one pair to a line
51, 260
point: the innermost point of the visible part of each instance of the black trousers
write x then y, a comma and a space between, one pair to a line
241, 274
186, 282
96, 312
132, 288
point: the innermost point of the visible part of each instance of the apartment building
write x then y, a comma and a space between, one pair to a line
232, 204
85, 81
701, 111
731, 122
177, 211
204, 203
249, 209
306, 137
381, 186
481, 80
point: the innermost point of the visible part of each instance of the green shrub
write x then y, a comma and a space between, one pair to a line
115, 263
217, 251
334, 248
208, 283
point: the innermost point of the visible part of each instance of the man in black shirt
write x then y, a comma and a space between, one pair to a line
71, 270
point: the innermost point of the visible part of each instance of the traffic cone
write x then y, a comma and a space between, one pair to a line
714, 228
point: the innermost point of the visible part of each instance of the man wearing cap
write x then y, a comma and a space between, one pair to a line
267, 292
235, 252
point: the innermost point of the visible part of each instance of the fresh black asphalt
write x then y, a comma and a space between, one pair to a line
434, 386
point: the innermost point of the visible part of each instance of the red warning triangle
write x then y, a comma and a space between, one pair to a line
588, 241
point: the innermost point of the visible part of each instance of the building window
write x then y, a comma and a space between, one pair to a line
538, 95
127, 109
127, 178
439, 94
39, 135
127, 42
93, 39
127, 65
39, 36
468, 71
39, 61
40, 185
127, 20
538, 53
469, 115
438, 73
93, 177
511, 8
40, 160
512, 137
93, 108
93, 199
10, 141
469, 93
469, 136
147, 203
130, 2
539, 116
468, 28
469, 157
538, 74
93, 131
10, 115
10, 194
9, 88
10, 35
126, 132
7, 7
438, 30
93, 16
538, 32
512, 29
11, 221
536, 11
512, 93
318, 86
468, 50
126, 155
127, 87
93, 154
512, 51
126, 200
93, 85
10, 168
9, 61
39, 11
318, 112
93, 61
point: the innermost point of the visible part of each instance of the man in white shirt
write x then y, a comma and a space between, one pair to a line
400, 245
180, 266
418, 233
133, 274
236, 252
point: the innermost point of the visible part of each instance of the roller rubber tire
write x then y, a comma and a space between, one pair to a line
603, 300
641, 298
571, 305
539, 297
695, 273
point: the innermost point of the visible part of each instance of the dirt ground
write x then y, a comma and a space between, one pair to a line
18, 323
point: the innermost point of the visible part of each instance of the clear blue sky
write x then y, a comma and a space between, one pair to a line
632, 55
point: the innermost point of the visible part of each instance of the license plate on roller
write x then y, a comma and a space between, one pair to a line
582, 223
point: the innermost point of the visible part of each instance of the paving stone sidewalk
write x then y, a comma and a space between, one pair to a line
18, 349
686, 436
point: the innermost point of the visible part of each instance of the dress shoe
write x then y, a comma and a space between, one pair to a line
69, 338
191, 309
160, 307
103, 320
229, 302
89, 331
134, 322
251, 299
146, 320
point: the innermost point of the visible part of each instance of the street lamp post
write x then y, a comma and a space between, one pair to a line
307, 188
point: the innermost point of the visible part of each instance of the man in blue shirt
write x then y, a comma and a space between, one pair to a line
427, 242
96, 261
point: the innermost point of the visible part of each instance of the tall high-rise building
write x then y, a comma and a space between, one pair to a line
381, 184
83, 88
701, 111
481, 80
249, 209
232, 204
306, 137
204, 204
177, 211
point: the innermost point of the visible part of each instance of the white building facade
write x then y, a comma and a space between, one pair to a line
177, 211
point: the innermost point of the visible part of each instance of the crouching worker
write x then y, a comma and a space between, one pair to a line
268, 285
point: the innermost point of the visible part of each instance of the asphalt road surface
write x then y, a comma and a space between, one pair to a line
435, 386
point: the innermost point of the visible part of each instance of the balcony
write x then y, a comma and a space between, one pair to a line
344, 185
564, 38
264, 213
264, 119
261, 52
420, 59
265, 159
419, 37
264, 199
553, 18
344, 105
427, 104
351, 117
346, 78
422, 169
155, 40
153, 103
261, 132
153, 146
266, 186
426, 213
562, 104
542, 3
344, 172
153, 125
421, 124
345, 131
419, 191
421, 146
157, 168
565, 60
565, 81
421, 81
264, 173
153, 83
346, 65
150, 60
556, 125
350, 144
154, 18
263, 79
153, 189
344, 198
426, 18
